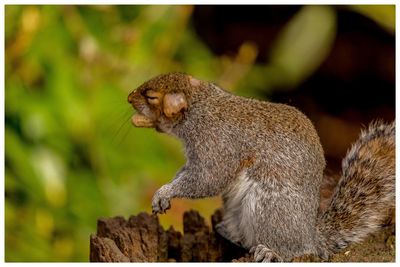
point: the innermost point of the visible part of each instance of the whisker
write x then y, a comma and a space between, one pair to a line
124, 136
123, 115
117, 132
114, 121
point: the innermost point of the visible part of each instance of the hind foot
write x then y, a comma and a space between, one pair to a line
264, 254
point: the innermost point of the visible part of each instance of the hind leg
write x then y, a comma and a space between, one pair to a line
263, 254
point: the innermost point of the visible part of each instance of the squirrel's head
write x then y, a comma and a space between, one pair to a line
162, 101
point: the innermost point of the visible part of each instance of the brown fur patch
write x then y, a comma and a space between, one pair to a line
245, 164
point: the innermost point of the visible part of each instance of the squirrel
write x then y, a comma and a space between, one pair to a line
266, 161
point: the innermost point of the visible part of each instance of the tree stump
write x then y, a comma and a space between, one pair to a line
142, 239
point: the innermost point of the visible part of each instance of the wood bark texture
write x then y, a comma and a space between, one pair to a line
142, 239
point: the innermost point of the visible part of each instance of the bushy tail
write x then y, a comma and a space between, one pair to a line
366, 192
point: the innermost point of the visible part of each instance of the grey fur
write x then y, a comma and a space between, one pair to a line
266, 161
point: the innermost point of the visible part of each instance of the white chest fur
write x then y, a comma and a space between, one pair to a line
240, 207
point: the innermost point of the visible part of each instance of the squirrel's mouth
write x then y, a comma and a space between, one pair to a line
140, 120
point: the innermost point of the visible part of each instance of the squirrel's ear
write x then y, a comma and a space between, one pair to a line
174, 103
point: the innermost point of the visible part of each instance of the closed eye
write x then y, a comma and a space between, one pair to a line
150, 94
152, 97
153, 100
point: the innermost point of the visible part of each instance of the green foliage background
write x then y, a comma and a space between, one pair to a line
71, 155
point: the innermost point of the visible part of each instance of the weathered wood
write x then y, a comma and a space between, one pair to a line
142, 239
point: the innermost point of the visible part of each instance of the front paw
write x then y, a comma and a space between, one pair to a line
161, 199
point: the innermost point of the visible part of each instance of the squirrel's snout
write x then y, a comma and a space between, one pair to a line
130, 98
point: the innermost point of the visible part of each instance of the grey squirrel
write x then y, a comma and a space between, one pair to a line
267, 162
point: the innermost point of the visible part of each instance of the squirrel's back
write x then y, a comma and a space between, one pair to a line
251, 117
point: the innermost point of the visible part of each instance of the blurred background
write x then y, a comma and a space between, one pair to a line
71, 154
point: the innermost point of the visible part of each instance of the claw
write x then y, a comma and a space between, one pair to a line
264, 254
161, 200
260, 255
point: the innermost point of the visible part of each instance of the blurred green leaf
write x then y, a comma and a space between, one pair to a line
384, 15
303, 44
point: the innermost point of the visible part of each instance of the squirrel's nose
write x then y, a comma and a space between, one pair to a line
130, 98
